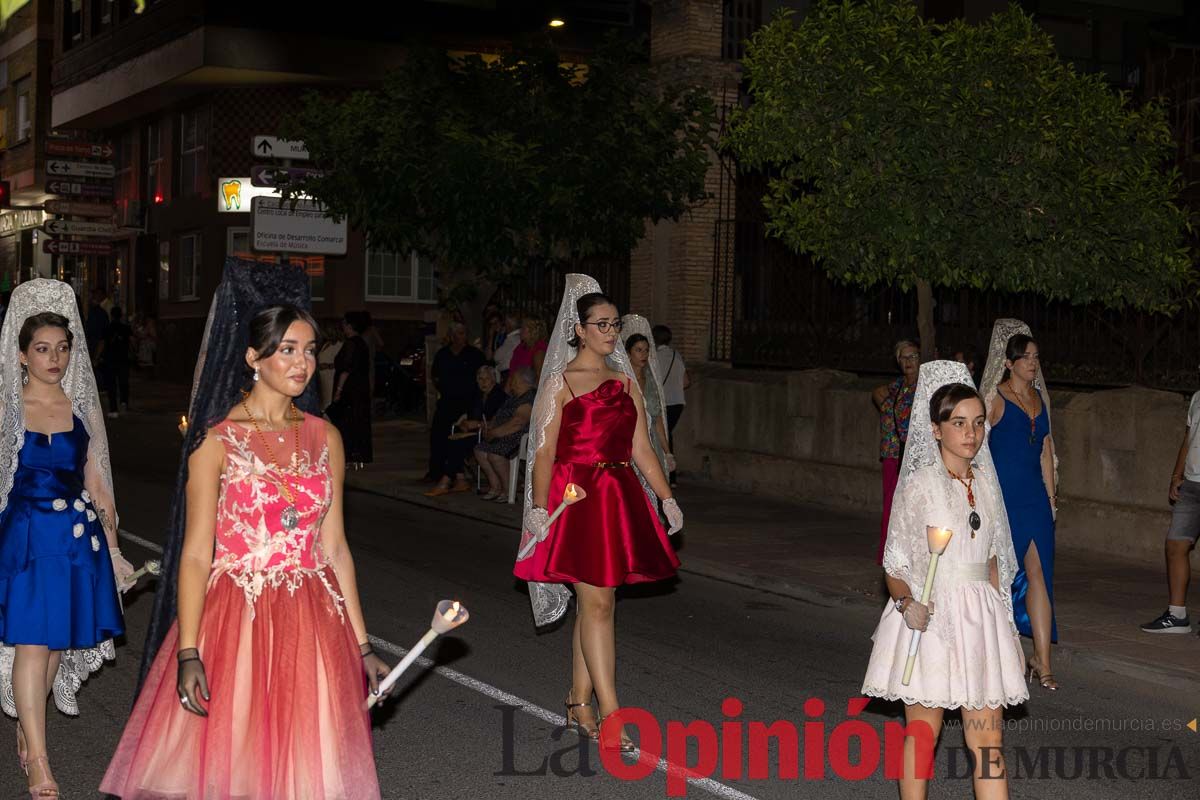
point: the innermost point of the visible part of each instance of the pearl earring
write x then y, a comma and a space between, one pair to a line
256, 374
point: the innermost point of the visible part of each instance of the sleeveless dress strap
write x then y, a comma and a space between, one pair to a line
568, 383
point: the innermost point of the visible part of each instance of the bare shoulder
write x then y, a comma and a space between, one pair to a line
333, 437
209, 457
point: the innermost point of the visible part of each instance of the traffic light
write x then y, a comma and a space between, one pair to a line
5, 195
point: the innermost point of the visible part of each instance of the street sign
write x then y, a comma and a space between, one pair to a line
79, 169
76, 209
58, 247
277, 227
277, 177
79, 189
58, 147
68, 227
20, 219
272, 147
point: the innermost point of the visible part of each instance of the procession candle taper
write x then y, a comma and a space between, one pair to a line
448, 616
938, 539
571, 495
183, 425
152, 567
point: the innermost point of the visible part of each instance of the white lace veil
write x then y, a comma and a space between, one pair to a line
993, 373
79, 384
549, 600
906, 554
636, 323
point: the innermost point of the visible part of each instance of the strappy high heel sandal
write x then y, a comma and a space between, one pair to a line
22, 750
1044, 679
586, 730
611, 743
48, 787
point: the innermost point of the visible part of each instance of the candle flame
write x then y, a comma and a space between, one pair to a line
452, 611
571, 493
938, 538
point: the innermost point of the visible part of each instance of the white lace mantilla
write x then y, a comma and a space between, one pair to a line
274, 556
926, 495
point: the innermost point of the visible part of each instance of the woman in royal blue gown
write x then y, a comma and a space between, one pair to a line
59, 561
1023, 450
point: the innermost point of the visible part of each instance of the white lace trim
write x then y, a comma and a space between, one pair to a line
74, 668
884, 694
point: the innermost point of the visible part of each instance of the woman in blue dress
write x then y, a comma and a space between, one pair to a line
59, 561
1023, 449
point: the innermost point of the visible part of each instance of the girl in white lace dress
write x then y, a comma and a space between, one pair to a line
970, 657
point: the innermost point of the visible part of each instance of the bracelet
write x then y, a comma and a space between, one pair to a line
899, 603
370, 651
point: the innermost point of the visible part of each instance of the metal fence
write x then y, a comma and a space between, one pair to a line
773, 308
539, 291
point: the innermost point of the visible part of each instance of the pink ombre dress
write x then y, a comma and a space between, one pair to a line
286, 719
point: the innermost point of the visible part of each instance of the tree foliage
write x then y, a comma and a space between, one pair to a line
959, 155
487, 165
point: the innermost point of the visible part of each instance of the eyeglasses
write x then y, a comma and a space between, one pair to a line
911, 357
604, 326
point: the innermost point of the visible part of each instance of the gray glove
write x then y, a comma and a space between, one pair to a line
917, 616
536, 522
674, 516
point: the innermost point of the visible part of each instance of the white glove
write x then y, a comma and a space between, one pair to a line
917, 616
536, 523
671, 463
122, 570
674, 516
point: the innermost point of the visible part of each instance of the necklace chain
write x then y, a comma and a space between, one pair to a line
968, 483
1032, 417
295, 415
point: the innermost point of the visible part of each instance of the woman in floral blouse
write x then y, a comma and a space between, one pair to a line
894, 401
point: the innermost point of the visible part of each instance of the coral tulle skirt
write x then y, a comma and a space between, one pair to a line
611, 538
286, 719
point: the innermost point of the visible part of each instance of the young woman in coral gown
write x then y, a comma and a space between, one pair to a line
258, 690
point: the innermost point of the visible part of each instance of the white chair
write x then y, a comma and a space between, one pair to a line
514, 467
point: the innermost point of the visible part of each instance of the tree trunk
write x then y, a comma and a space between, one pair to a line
925, 327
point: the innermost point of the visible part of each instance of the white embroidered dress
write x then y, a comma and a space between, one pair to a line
970, 655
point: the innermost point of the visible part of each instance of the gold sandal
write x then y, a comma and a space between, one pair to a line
1044, 679
624, 745
586, 730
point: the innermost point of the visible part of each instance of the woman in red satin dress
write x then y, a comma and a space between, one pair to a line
596, 436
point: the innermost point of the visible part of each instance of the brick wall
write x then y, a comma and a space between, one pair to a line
672, 267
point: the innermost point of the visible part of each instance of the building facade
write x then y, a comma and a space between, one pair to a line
26, 48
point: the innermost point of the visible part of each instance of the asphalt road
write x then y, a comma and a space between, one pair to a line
483, 723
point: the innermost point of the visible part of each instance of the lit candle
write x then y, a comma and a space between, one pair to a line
448, 616
183, 425
938, 539
571, 495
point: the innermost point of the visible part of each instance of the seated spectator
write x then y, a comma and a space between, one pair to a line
502, 436
465, 433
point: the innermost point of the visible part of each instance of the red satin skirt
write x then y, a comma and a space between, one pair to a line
613, 537
286, 719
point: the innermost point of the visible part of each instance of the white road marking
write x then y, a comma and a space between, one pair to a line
707, 784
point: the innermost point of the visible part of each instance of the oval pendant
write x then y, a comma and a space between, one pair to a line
290, 518
974, 522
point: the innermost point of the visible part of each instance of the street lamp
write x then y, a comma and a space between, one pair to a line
556, 22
